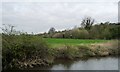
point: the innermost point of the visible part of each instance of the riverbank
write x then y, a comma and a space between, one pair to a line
22, 52
70, 52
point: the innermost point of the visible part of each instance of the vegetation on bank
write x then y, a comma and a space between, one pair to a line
21, 48
24, 51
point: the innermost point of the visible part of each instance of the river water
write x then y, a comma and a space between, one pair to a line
104, 63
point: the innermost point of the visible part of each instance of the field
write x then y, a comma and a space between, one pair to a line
58, 42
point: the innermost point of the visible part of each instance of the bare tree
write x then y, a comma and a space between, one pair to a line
87, 23
9, 29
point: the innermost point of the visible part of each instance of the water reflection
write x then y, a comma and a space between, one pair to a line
106, 63
109, 63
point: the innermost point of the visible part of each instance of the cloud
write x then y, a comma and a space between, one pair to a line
40, 16
60, 0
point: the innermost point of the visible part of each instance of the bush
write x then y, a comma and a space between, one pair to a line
66, 51
80, 34
21, 48
85, 51
72, 52
83, 34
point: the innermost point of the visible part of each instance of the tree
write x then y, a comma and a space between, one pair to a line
9, 29
79, 34
52, 30
87, 23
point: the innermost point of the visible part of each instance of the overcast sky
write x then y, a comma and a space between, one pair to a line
38, 17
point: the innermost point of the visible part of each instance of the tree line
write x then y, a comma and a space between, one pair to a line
88, 30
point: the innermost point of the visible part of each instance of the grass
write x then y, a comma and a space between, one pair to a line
54, 42
26, 51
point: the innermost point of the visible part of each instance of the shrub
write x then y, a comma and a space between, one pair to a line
80, 34
85, 51
21, 48
71, 52
66, 51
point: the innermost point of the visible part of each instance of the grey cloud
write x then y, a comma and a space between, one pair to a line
40, 16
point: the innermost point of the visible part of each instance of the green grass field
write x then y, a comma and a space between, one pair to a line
58, 42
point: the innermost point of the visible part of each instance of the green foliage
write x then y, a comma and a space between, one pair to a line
22, 47
104, 31
115, 31
79, 33
98, 31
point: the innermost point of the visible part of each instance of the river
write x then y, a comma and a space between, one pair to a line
104, 63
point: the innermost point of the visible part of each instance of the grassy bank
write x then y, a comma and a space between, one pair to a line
56, 42
24, 51
82, 51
